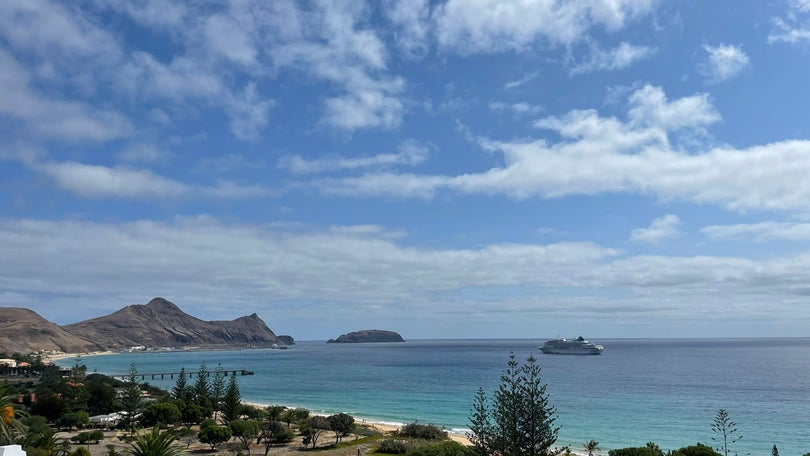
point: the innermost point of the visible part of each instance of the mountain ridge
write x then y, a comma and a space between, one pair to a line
159, 323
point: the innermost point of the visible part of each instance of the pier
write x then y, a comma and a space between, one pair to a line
189, 374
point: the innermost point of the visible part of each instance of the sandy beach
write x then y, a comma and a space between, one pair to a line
60, 356
388, 428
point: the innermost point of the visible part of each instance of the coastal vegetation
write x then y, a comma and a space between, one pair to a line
520, 419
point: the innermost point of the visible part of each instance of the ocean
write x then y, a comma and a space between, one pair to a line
638, 390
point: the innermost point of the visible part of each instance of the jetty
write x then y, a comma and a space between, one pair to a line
189, 374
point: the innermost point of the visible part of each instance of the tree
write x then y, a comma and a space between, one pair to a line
655, 448
72, 420
481, 431
522, 419
155, 443
273, 433
274, 412
181, 388
232, 401
74, 391
161, 413
633, 451
11, 428
214, 435
49, 444
202, 389
591, 447
726, 431
101, 395
131, 400
316, 425
217, 389
697, 449
245, 431
342, 425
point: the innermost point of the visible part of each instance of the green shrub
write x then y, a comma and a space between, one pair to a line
423, 431
695, 450
85, 437
394, 446
364, 430
633, 451
80, 451
443, 449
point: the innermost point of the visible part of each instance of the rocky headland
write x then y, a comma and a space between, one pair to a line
367, 335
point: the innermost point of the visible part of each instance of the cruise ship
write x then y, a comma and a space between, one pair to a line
578, 346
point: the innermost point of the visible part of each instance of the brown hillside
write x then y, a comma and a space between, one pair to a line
25, 331
160, 323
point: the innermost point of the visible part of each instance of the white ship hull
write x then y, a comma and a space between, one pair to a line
578, 346
572, 351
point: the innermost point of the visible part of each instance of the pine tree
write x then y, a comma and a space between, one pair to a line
232, 401
131, 400
202, 389
217, 389
726, 431
521, 419
480, 434
591, 446
536, 414
506, 410
181, 389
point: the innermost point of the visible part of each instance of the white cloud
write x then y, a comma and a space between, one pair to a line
331, 43
411, 19
519, 82
794, 27
496, 26
144, 153
606, 155
620, 57
70, 48
520, 108
54, 118
410, 153
96, 181
649, 106
760, 232
367, 266
226, 163
662, 228
723, 62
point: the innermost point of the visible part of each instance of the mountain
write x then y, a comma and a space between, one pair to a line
160, 323
25, 331
367, 335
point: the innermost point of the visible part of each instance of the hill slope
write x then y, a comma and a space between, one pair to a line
160, 323
25, 331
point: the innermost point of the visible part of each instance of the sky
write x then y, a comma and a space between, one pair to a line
449, 169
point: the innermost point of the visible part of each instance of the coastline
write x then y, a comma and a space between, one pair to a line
384, 427
61, 356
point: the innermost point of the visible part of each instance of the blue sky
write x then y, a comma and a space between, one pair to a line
631, 168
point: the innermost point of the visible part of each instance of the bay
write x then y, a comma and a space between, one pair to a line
638, 390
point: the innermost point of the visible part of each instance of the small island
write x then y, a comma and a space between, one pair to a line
365, 336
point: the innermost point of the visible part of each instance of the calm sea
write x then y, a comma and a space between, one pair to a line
666, 391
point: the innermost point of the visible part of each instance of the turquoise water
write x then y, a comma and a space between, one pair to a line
666, 391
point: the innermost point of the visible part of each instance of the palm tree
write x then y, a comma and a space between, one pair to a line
11, 429
52, 445
591, 447
155, 443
